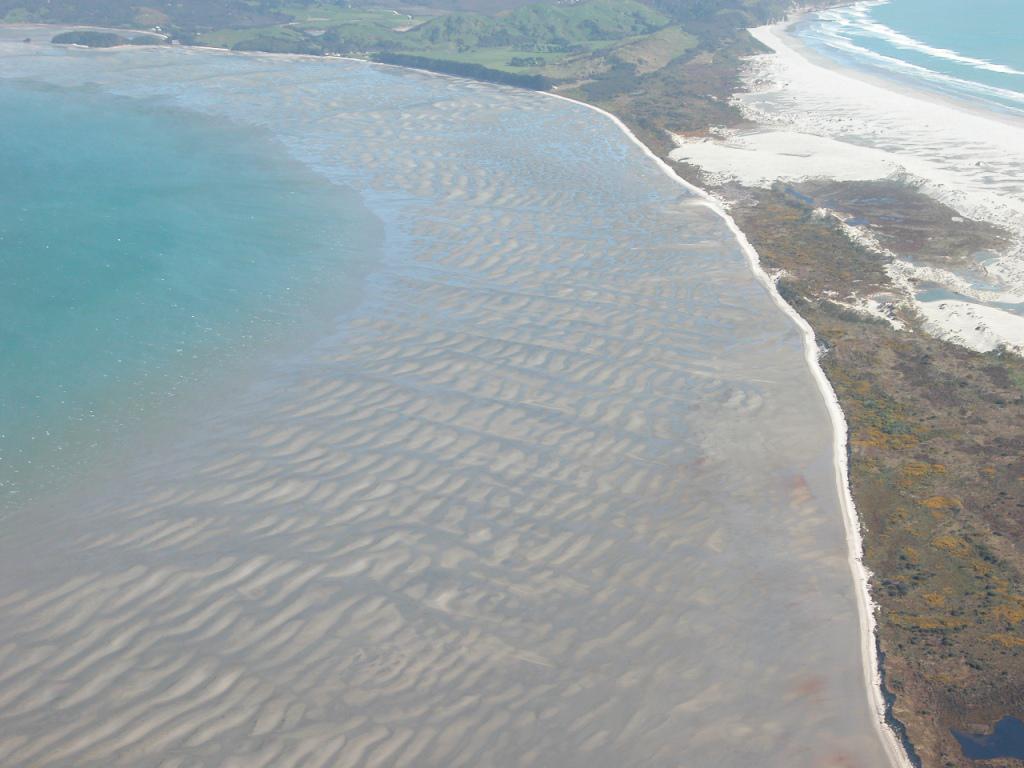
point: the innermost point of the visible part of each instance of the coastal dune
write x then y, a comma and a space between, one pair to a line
815, 120
559, 489
858, 127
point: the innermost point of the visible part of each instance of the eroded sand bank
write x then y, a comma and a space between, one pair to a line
560, 490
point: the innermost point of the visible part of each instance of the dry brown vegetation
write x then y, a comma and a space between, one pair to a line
937, 469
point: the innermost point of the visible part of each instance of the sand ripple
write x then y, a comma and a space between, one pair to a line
558, 491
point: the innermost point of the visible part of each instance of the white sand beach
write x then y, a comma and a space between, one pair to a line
816, 120
974, 325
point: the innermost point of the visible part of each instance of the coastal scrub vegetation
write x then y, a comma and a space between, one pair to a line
937, 473
97, 39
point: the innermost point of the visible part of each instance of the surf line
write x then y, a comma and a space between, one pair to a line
891, 742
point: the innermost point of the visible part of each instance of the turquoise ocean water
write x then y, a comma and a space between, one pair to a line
970, 50
148, 257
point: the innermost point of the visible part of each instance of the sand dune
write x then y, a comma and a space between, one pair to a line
817, 120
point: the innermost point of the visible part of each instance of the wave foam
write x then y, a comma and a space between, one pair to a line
857, 19
941, 80
971, 161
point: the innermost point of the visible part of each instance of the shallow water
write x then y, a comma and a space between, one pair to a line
935, 292
1006, 740
142, 246
558, 490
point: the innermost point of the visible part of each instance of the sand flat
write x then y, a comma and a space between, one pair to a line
559, 490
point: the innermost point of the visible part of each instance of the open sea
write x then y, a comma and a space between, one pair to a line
971, 51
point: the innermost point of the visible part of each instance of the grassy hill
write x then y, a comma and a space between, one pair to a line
547, 43
544, 26
540, 44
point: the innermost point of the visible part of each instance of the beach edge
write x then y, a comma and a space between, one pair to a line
892, 743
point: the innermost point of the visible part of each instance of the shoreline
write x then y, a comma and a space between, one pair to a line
891, 741
781, 32
892, 731
815, 120
955, 220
